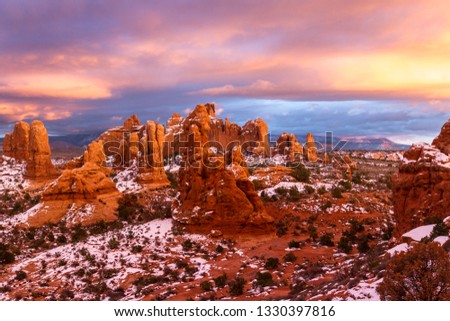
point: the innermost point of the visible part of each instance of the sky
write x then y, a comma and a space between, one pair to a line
356, 68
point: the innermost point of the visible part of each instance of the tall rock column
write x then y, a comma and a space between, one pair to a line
39, 164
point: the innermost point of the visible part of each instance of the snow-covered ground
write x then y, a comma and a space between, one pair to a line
11, 175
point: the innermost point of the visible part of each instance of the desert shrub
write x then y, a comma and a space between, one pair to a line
387, 232
6, 256
187, 245
257, 184
180, 264
221, 280
432, 220
345, 245
136, 249
281, 228
363, 244
336, 192
290, 257
326, 206
206, 286
264, 279
172, 179
309, 189
355, 226
321, 190
300, 173
219, 248
440, 229
21, 275
66, 294
113, 244
129, 207
327, 239
293, 194
271, 263
281, 191
237, 286
346, 185
357, 179
79, 234
420, 274
312, 232
294, 244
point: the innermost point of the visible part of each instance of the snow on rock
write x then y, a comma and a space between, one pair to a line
403, 247
441, 239
365, 291
126, 180
22, 218
287, 185
419, 233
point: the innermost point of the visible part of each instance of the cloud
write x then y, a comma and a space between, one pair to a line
76, 63
17, 112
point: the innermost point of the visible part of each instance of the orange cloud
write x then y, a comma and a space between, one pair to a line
55, 86
17, 112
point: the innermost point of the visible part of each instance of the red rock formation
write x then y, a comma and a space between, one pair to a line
131, 122
79, 196
16, 143
422, 187
253, 136
310, 149
143, 144
442, 141
7, 145
288, 145
39, 164
30, 144
210, 194
152, 144
82, 194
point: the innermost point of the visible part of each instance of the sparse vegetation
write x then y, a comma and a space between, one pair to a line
237, 286
271, 263
300, 172
327, 239
420, 274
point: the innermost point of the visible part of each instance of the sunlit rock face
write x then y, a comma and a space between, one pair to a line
422, 187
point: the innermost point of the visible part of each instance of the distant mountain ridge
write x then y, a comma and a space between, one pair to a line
353, 142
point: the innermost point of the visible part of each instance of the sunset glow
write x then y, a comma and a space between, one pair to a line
67, 62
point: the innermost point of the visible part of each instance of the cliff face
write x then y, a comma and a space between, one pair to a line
422, 187
212, 194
